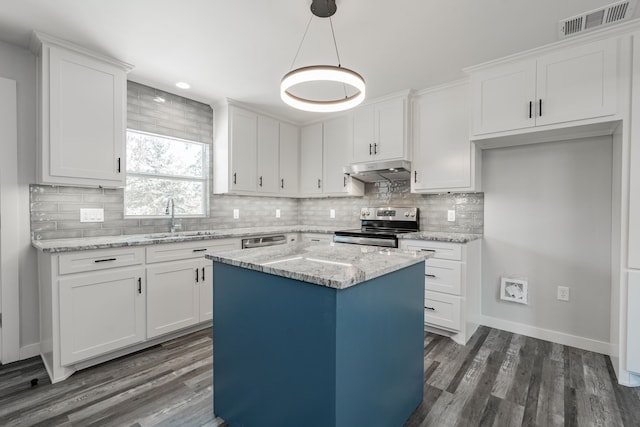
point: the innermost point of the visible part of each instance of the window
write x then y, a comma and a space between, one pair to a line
159, 167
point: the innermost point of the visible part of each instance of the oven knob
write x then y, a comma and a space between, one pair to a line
413, 214
366, 213
406, 214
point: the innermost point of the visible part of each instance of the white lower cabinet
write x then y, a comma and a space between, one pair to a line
452, 287
101, 312
180, 293
173, 298
96, 305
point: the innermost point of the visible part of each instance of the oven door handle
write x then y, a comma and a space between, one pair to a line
371, 241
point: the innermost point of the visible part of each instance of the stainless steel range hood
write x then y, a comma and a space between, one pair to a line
389, 170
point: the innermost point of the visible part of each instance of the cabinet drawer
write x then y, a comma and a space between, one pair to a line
443, 276
443, 250
442, 310
185, 250
77, 262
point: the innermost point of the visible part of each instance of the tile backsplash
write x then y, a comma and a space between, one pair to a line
55, 211
469, 208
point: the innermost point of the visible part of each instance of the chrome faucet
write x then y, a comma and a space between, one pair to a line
172, 221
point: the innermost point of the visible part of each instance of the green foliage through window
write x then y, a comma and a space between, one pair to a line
159, 167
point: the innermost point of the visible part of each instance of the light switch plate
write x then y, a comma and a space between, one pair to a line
91, 215
236, 213
451, 215
332, 213
277, 213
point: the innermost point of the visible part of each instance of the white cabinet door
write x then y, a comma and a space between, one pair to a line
336, 153
83, 136
569, 84
311, 159
389, 121
289, 159
268, 154
363, 134
205, 290
577, 83
503, 97
379, 131
243, 139
443, 157
101, 312
172, 296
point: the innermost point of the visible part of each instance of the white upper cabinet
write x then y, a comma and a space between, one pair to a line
568, 84
336, 155
380, 131
243, 138
324, 152
268, 155
82, 115
443, 157
311, 159
289, 155
253, 154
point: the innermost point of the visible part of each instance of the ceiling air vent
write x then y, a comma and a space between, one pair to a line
615, 12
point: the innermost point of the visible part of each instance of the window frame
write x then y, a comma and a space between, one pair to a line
205, 180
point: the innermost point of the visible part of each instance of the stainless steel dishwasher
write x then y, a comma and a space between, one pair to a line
259, 242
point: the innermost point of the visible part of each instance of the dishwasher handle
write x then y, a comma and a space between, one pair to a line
259, 242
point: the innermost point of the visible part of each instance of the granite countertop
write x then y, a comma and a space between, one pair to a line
88, 243
336, 266
104, 242
440, 236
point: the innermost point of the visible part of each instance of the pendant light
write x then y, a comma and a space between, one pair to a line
315, 73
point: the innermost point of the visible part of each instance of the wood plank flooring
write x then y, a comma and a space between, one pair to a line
497, 379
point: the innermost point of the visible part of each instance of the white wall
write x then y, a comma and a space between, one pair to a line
548, 217
20, 65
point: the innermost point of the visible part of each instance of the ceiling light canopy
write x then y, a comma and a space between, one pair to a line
183, 85
323, 73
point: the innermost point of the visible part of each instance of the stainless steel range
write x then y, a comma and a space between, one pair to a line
380, 226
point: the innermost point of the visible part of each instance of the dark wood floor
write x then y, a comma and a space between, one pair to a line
497, 379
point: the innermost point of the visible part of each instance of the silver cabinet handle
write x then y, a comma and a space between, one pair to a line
318, 183
139, 285
282, 183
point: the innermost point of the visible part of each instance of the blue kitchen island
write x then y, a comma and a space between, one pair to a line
317, 335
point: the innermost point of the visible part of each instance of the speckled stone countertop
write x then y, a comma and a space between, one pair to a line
87, 243
336, 266
440, 236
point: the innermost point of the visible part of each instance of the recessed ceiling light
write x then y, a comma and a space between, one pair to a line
183, 85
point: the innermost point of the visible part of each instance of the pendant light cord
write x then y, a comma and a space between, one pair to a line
335, 44
302, 41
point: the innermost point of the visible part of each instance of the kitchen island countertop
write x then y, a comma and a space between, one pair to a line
336, 266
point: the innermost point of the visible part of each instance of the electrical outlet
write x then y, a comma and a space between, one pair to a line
277, 213
91, 215
451, 215
563, 293
236, 213
332, 213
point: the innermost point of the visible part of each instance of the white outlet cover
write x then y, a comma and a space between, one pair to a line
451, 215
277, 213
91, 215
236, 213
332, 213
563, 293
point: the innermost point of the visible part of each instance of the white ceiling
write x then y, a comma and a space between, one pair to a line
240, 49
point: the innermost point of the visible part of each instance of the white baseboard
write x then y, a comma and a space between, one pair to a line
589, 344
29, 351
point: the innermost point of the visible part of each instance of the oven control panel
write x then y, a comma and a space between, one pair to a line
389, 213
